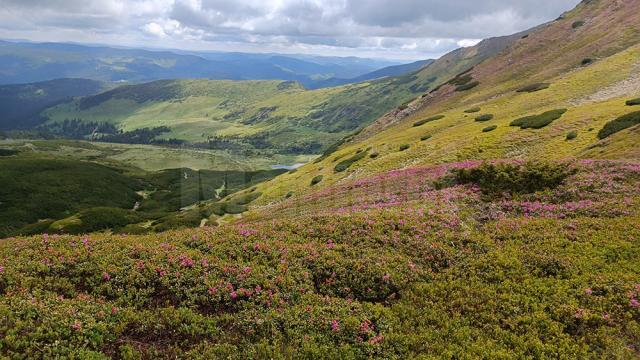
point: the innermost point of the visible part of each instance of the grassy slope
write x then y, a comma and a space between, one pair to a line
196, 109
458, 137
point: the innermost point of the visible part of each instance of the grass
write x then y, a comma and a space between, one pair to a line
538, 121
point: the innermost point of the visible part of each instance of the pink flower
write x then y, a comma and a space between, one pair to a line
114, 310
579, 314
634, 303
76, 325
234, 295
588, 291
330, 244
1, 269
335, 326
106, 276
386, 277
213, 290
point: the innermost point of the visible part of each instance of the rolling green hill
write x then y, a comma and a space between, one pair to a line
255, 117
21, 105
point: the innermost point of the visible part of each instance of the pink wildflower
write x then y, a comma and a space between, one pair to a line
234, 295
114, 310
330, 244
106, 276
76, 325
213, 290
588, 291
1, 269
386, 277
335, 326
635, 304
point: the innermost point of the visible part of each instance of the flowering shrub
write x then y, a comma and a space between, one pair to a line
383, 267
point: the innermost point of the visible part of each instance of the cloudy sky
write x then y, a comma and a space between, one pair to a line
400, 29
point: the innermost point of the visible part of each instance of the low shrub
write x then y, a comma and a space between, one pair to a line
534, 87
426, 137
8, 152
490, 128
468, 86
289, 194
316, 180
233, 208
404, 147
498, 179
586, 61
633, 102
461, 80
577, 24
619, 124
472, 110
103, 218
538, 121
345, 164
485, 117
424, 121
572, 135
374, 155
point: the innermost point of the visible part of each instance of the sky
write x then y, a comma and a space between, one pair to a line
392, 29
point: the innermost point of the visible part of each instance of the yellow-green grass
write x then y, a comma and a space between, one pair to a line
458, 137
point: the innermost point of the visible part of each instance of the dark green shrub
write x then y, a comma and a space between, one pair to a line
572, 135
374, 155
345, 164
586, 61
8, 152
461, 80
233, 208
490, 128
515, 179
472, 110
102, 218
424, 121
468, 86
404, 147
246, 198
538, 121
619, 124
426, 137
289, 194
633, 102
316, 180
577, 24
534, 87
485, 117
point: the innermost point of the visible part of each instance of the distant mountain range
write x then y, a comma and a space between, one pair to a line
23, 62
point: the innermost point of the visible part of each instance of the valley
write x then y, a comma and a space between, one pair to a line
480, 205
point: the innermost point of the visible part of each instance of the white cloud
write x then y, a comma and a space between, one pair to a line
154, 29
397, 28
